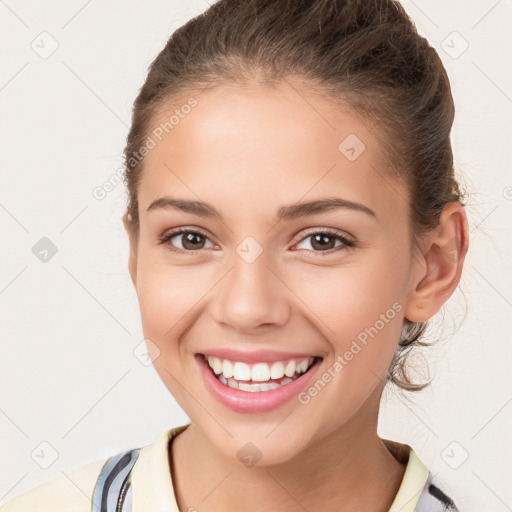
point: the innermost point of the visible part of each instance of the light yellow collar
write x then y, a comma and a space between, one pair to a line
151, 476
153, 490
413, 481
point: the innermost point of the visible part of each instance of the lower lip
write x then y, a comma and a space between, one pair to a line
253, 402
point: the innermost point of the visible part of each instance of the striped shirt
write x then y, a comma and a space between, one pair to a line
139, 480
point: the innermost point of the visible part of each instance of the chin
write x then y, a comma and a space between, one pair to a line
258, 449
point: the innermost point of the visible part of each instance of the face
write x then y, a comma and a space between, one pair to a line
253, 289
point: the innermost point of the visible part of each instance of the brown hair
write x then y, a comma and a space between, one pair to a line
364, 53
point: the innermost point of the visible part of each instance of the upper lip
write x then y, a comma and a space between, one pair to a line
256, 356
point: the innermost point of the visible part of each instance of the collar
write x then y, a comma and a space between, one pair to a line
153, 490
413, 482
151, 476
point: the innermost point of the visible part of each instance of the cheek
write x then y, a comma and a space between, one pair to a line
166, 296
359, 310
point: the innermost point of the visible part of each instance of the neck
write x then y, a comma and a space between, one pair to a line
348, 470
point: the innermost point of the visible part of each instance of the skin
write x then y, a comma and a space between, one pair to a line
248, 151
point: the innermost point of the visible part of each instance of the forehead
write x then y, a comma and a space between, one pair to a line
241, 145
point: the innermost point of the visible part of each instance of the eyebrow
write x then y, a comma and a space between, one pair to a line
289, 212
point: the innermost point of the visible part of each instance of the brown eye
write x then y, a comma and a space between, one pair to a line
192, 240
322, 241
326, 242
189, 240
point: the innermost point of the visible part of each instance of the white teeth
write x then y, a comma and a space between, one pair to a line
216, 364
227, 369
260, 372
253, 388
242, 371
232, 383
290, 368
248, 387
302, 367
277, 370
231, 373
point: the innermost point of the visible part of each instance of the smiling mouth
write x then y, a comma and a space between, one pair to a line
259, 376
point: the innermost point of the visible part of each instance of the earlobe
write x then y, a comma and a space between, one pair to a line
443, 258
132, 259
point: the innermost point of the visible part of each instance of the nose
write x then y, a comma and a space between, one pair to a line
251, 295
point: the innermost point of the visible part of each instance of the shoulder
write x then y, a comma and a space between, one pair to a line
434, 498
71, 492
107, 482
419, 491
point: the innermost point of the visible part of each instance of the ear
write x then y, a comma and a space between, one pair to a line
439, 265
132, 259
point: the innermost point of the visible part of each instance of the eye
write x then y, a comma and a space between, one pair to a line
324, 242
191, 240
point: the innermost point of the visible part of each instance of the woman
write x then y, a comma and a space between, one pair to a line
294, 222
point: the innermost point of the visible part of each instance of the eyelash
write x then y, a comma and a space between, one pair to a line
347, 243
